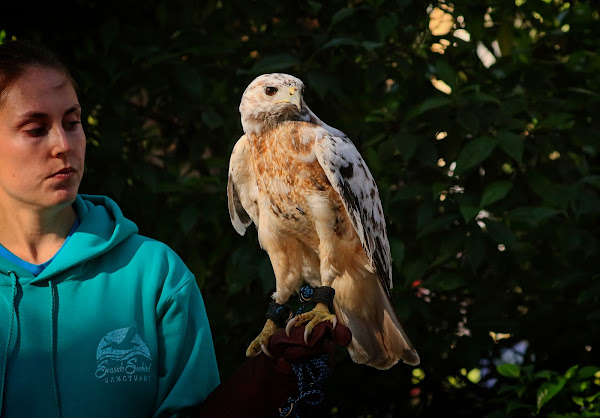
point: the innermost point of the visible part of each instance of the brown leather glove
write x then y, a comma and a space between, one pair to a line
262, 385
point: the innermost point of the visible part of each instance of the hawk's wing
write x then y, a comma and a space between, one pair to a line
351, 179
242, 189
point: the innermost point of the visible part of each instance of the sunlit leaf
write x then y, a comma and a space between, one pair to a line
571, 372
548, 390
512, 371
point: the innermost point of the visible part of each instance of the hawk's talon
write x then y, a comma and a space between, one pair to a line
262, 341
266, 351
290, 324
319, 314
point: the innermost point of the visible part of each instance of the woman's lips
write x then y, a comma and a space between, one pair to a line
64, 173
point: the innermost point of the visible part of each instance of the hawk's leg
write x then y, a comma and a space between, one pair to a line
287, 275
323, 296
327, 243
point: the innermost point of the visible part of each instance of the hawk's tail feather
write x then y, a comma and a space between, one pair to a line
378, 338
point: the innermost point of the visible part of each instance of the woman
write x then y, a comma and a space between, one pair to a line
95, 319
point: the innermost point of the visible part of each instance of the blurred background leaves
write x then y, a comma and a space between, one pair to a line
479, 121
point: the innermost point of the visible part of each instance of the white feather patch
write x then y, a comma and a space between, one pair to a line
350, 177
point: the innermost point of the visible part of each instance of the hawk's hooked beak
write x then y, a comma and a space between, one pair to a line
293, 96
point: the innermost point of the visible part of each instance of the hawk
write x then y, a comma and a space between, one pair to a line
319, 217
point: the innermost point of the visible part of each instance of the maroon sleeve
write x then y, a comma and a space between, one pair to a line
262, 385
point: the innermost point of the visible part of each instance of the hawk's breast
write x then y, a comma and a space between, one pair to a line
289, 177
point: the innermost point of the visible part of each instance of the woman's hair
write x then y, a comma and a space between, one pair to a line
16, 57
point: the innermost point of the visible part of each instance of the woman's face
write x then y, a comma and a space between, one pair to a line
42, 143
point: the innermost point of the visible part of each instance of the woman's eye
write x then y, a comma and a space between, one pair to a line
72, 125
36, 132
270, 91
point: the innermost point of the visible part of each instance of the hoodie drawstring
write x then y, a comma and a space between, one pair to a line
53, 341
8, 338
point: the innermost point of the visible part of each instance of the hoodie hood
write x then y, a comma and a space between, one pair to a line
102, 227
87, 336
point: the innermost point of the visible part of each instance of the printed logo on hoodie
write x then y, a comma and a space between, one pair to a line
122, 356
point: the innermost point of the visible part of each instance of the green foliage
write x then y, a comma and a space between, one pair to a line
491, 190
526, 392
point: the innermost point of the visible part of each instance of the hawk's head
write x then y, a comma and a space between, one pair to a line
271, 99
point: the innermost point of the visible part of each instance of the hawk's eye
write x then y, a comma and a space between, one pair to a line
270, 91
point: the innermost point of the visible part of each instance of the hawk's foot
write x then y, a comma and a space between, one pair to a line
319, 314
261, 342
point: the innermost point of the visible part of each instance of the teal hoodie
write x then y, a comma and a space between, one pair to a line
115, 326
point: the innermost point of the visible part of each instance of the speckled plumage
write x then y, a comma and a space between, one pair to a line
318, 213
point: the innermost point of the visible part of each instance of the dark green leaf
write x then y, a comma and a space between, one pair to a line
212, 119
397, 250
501, 233
474, 153
514, 405
336, 42
475, 247
555, 194
592, 180
495, 191
469, 212
406, 144
437, 224
532, 215
385, 25
342, 14
468, 120
587, 372
445, 281
446, 73
189, 216
511, 144
429, 104
272, 63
